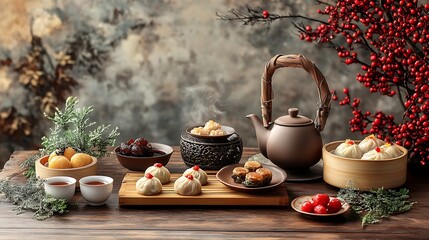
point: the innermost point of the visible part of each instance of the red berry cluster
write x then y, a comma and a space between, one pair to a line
322, 204
395, 34
139, 147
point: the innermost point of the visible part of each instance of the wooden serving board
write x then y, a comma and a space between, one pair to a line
214, 193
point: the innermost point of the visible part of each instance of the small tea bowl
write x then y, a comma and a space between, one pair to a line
96, 189
60, 187
133, 163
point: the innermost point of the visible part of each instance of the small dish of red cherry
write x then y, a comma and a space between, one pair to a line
320, 205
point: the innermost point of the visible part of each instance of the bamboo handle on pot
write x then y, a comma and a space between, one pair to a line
295, 60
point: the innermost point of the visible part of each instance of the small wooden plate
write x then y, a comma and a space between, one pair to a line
224, 176
297, 202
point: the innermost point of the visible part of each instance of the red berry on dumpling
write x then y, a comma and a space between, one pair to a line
190, 177
148, 175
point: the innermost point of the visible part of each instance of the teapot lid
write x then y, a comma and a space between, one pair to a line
293, 119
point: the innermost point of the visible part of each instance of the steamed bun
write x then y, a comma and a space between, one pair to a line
370, 142
375, 154
148, 185
187, 186
198, 173
160, 172
391, 150
349, 149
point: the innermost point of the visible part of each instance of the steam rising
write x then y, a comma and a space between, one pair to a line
203, 103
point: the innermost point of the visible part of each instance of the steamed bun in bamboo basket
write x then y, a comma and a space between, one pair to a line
387, 170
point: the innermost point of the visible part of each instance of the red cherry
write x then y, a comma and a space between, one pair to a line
190, 177
320, 209
196, 167
158, 165
307, 206
320, 199
377, 149
334, 205
148, 175
266, 14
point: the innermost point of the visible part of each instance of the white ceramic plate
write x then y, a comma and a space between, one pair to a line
297, 202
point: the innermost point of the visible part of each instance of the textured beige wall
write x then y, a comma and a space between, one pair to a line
185, 68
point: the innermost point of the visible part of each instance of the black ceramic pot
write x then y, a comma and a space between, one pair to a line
210, 153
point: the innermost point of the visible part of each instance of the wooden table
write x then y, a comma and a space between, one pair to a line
111, 222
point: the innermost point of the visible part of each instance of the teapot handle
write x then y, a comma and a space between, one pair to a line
295, 60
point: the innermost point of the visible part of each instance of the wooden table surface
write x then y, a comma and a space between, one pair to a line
174, 222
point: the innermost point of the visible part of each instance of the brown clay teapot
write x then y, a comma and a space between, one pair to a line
291, 141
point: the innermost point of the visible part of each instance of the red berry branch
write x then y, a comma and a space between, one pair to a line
389, 39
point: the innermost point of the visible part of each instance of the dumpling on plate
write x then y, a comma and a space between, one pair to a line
148, 185
252, 165
391, 150
160, 172
187, 186
375, 154
239, 174
253, 179
198, 173
370, 142
267, 175
349, 149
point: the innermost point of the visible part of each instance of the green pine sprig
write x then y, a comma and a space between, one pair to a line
31, 196
71, 128
377, 204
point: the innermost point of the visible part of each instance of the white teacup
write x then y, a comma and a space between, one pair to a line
60, 187
96, 189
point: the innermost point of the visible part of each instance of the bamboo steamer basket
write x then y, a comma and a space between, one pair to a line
363, 174
77, 173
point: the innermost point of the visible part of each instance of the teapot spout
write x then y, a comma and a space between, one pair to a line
261, 133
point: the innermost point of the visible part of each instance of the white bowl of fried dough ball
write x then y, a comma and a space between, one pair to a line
66, 162
364, 164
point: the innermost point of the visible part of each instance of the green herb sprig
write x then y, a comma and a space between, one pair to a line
71, 128
31, 196
377, 204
